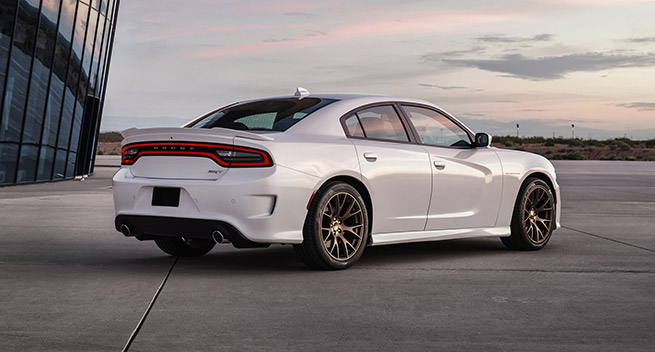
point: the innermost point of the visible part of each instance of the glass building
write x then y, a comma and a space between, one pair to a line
54, 59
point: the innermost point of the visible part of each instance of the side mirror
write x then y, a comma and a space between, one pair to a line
482, 139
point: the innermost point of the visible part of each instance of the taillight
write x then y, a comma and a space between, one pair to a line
224, 155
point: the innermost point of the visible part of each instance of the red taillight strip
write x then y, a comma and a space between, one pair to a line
266, 161
266, 158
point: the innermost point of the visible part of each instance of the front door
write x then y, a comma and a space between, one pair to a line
466, 181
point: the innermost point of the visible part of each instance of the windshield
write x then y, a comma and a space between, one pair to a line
263, 115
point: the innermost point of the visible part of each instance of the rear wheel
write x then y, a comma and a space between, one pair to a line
336, 229
184, 247
533, 218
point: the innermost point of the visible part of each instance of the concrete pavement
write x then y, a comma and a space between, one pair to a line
69, 281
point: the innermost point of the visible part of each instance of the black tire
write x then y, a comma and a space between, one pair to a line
180, 247
336, 228
533, 219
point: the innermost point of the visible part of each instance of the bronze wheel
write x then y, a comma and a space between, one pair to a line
533, 220
537, 215
336, 228
341, 226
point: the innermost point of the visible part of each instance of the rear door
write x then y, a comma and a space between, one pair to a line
396, 170
466, 182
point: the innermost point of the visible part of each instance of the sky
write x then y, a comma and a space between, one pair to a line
543, 64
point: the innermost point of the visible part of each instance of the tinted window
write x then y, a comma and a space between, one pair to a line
436, 129
382, 122
353, 126
266, 115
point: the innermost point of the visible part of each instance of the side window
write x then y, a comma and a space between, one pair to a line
382, 122
353, 126
436, 129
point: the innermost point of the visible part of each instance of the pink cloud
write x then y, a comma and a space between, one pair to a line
192, 32
434, 22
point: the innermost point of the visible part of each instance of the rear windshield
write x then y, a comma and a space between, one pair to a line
263, 115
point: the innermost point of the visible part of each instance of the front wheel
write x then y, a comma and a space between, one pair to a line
336, 229
533, 218
184, 247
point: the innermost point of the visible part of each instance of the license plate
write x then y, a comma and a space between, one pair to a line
165, 197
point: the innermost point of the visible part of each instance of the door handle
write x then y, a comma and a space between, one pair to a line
440, 165
370, 157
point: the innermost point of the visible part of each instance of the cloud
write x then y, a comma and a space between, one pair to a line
501, 38
556, 67
640, 106
445, 54
641, 40
441, 87
532, 110
423, 23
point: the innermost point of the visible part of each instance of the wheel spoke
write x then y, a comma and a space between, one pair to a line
351, 215
351, 230
349, 244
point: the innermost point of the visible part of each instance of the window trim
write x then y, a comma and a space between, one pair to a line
442, 113
394, 105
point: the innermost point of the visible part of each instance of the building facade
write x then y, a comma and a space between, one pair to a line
54, 60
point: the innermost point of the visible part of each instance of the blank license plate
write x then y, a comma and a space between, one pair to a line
166, 197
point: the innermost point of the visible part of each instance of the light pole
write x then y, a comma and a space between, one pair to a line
572, 131
517, 130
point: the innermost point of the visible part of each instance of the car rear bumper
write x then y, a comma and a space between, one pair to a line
266, 205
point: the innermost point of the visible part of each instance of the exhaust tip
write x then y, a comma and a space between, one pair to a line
126, 230
218, 236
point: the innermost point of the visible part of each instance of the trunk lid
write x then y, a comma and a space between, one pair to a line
190, 167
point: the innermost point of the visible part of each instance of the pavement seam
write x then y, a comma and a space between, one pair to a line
609, 239
152, 303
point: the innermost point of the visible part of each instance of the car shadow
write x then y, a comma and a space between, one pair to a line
281, 258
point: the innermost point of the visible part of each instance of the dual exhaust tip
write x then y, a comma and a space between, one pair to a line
217, 235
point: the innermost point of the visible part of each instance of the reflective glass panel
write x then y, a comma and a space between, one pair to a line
19, 69
46, 159
382, 122
435, 129
27, 163
7, 14
43, 54
8, 156
60, 164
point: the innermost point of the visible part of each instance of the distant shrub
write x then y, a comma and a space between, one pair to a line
549, 143
569, 156
620, 144
508, 143
110, 137
100, 152
113, 153
631, 158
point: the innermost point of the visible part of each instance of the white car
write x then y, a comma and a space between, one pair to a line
330, 174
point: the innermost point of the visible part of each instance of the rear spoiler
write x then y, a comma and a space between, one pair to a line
200, 131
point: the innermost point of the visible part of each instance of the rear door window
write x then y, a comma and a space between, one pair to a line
379, 122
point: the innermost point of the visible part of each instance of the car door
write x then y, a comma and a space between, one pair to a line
466, 181
395, 170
